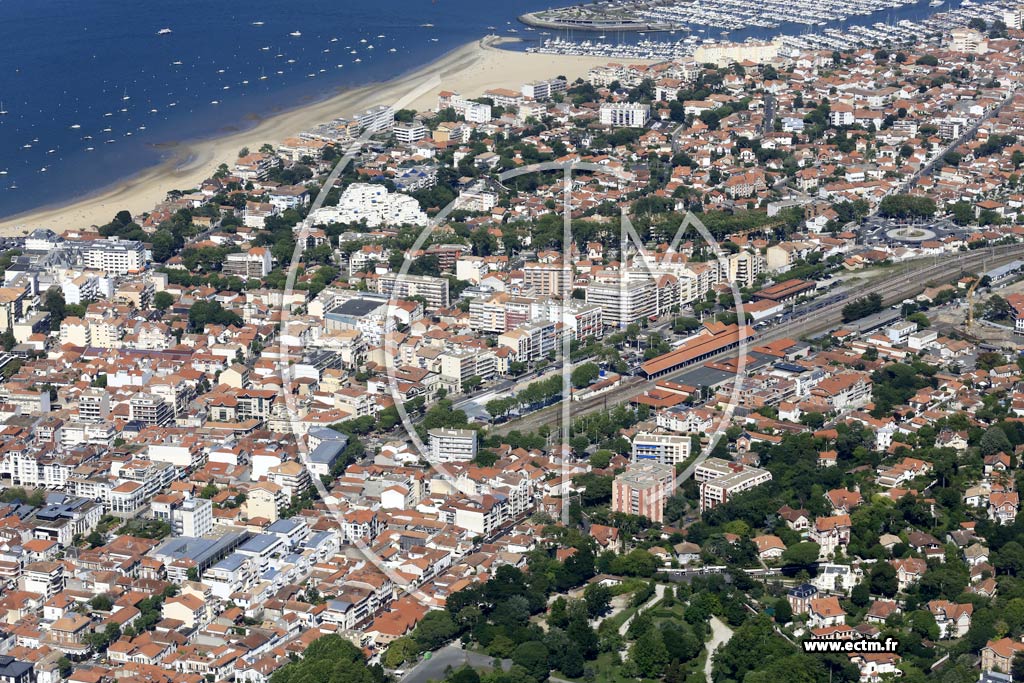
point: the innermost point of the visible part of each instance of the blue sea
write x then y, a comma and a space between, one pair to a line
98, 90
94, 93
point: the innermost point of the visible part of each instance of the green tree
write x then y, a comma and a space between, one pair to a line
598, 599
783, 611
330, 659
434, 630
649, 654
995, 440
585, 374
162, 301
402, 649
532, 656
803, 554
884, 580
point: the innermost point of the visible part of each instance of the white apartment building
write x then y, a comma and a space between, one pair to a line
149, 409
625, 114
544, 90
188, 517
433, 289
547, 279
447, 445
373, 204
408, 133
115, 255
721, 479
377, 120
458, 366
93, 405
667, 449
474, 112
622, 303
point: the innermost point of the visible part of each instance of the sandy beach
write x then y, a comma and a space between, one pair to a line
469, 70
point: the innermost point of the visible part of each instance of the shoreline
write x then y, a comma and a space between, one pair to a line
469, 69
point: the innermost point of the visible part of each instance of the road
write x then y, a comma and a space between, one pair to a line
720, 634
659, 593
900, 284
433, 669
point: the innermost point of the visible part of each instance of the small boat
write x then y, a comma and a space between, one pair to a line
426, 26
295, 34
26, 146
215, 102
75, 126
357, 60
164, 32
89, 149
42, 170
3, 111
257, 23
392, 50
176, 63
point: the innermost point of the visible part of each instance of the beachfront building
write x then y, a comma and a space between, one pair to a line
544, 90
474, 112
724, 54
625, 114
376, 120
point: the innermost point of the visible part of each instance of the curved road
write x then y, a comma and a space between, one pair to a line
720, 634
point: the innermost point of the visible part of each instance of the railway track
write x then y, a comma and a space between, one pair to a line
904, 282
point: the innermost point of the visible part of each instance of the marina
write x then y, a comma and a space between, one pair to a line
831, 25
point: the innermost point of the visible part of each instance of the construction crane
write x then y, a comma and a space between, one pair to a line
970, 304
